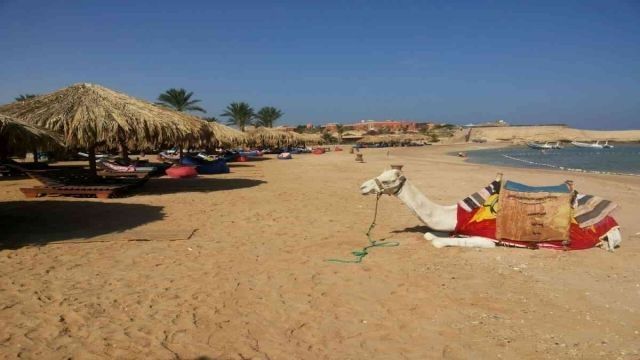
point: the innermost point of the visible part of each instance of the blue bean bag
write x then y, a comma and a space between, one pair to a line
252, 153
204, 166
190, 161
216, 167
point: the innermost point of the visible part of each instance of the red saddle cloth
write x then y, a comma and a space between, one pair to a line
580, 238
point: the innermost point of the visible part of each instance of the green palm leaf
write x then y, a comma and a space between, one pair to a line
240, 114
268, 115
180, 100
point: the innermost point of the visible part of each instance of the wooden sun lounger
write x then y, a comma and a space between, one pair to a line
101, 192
78, 183
119, 175
106, 170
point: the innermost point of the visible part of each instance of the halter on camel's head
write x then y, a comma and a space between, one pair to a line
389, 182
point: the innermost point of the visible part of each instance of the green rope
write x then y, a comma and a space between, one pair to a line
360, 254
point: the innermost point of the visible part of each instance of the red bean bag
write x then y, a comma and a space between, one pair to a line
318, 151
180, 172
242, 158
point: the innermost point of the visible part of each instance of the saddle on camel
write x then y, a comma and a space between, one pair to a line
509, 214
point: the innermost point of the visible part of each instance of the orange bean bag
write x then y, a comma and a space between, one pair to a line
181, 172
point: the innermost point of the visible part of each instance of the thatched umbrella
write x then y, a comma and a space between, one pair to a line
90, 115
371, 139
225, 136
262, 136
308, 139
18, 136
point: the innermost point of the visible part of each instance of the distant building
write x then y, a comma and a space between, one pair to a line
383, 125
390, 125
332, 127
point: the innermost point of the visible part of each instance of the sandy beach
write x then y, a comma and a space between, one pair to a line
234, 266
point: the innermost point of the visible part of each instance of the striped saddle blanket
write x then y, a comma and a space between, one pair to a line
588, 210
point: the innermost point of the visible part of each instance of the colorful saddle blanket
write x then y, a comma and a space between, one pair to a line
590, 219
535, 214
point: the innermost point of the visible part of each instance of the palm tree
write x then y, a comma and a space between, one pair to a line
340, 130
268, 115
179, 100
211, 119
327, 137
240, 114
24, 97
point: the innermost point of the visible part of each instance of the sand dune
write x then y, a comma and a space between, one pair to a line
547, 133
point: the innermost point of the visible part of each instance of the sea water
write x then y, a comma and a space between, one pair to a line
622, 159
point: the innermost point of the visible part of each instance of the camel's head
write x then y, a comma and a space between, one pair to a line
389, 182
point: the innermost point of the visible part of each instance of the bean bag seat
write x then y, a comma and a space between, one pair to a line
338, 148
252, 153
229, 157
180, 172
191, 161
214, 167
285, 156
318, 151
242, 158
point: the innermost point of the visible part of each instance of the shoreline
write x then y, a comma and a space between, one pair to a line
539, 166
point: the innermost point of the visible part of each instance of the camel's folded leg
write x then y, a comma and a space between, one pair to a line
473, 241
612, 239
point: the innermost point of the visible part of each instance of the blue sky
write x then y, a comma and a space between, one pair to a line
575, 62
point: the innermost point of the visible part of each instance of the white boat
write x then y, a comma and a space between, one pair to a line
607, 146
595, 145
538, 146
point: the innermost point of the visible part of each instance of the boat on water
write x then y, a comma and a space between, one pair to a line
557, 145
539, 146
607, 145
595, 145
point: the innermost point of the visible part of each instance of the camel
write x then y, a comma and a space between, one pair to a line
440, 218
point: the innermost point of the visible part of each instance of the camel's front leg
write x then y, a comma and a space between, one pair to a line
472, 241
613, 239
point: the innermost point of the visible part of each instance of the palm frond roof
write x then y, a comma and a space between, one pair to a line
19, 136
90, 114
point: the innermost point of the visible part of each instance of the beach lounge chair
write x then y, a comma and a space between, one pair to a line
113, 169
98, 156
78, 182
171, 158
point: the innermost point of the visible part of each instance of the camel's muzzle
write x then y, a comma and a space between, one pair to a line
368, 188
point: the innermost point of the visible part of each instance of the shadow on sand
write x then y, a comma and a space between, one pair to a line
13, 177
259, 158
421, 229
171, 186
42, 221
414, 229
